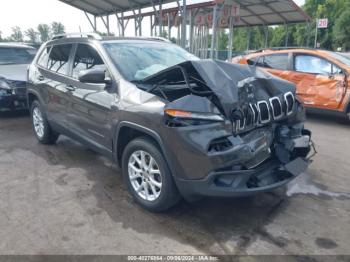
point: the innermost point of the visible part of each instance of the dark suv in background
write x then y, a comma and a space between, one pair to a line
14, 61
177, 125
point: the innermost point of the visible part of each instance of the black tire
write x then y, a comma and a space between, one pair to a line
48, 136
169, 195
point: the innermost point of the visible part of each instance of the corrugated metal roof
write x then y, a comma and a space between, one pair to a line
105, 7
253, 12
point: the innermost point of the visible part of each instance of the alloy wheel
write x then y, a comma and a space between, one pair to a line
145, 176
38, 122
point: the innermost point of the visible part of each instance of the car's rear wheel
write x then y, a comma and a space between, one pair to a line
147, 176
42, 129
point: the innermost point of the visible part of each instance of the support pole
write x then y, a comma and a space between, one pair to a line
106, 23
123, 25
287, 35
316, 34
120, 23
151, 18
169, 27
230, 40
92, 25
156, 14
213, 37
248, 38
108, 27
191, 32
266, 36
184, 24
136, 19
161, 19
308, 29
140, 22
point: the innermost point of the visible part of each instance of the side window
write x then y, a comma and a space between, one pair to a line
86, 57
44, 57
59, 57
312, 65
275, 61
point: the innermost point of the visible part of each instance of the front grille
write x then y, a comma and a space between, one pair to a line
276, 107
290, 100
263, 112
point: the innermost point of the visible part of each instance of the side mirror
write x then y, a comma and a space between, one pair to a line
93, 76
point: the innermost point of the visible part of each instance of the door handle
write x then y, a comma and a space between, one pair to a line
70, 88
41, 78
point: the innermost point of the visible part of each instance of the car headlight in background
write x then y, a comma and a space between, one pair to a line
4, 84
5, 88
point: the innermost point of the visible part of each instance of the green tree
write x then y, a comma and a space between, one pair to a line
341, 32
223, 40
32, 35
57, 28
44, 32
17, 35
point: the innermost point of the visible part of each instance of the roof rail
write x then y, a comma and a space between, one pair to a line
78, 35
159, 39
283, 48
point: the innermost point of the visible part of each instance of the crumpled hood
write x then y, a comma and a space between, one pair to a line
14, 72
232, 84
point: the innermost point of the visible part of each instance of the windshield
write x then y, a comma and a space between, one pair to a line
341, 57
14, 55
137, 61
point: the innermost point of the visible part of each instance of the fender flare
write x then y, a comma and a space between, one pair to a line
142, 129
36, 94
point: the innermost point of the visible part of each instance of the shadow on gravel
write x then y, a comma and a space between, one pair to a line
205, 224
14, 114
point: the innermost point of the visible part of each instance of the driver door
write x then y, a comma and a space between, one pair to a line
91, 107
320, 83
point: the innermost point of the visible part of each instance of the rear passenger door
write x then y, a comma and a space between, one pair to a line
320, 83
276, 64
90, 112
52, 77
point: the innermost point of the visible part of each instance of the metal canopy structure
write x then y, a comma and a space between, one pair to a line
109, 7
200, 18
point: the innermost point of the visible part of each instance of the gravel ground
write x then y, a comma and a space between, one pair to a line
66, 199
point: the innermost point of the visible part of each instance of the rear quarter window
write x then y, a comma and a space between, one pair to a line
274, 61
44, 57
58, 61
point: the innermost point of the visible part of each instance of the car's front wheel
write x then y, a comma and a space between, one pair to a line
42, 129
147, 176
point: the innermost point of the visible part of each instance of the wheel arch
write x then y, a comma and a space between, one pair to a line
31, 97
128, 131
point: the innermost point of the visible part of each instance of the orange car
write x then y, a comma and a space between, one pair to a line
321, 76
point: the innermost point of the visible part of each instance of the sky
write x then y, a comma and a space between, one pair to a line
29, 13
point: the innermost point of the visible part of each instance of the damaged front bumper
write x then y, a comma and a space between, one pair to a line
239, 183
272, 164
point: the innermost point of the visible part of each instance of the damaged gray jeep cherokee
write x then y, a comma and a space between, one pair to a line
178, 126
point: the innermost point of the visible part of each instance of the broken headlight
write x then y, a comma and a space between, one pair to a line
176, 118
